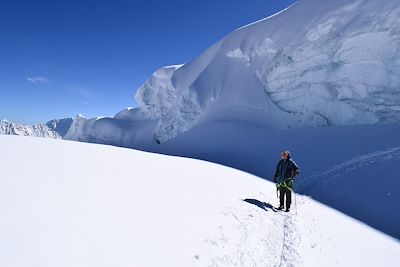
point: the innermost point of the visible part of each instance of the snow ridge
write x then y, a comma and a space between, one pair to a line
316, 64
327, 68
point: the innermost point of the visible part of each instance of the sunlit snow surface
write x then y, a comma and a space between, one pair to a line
75, 204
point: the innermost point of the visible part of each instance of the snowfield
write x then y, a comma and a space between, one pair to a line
74, 204
319, 78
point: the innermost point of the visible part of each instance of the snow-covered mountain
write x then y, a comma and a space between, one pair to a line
53, 129
122, 207
276, 84
317, 63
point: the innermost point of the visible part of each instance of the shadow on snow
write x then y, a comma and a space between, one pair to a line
262, 205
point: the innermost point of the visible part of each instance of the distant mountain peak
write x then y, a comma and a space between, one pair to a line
56, 128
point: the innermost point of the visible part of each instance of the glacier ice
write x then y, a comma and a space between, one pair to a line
315, 64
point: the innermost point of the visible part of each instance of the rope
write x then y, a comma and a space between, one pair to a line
284, 185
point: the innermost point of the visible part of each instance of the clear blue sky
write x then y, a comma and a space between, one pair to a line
60, 58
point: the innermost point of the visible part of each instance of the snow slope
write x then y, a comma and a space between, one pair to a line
121, 207
56, 128
317, 63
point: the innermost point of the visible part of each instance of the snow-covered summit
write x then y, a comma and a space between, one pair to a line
317, 63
